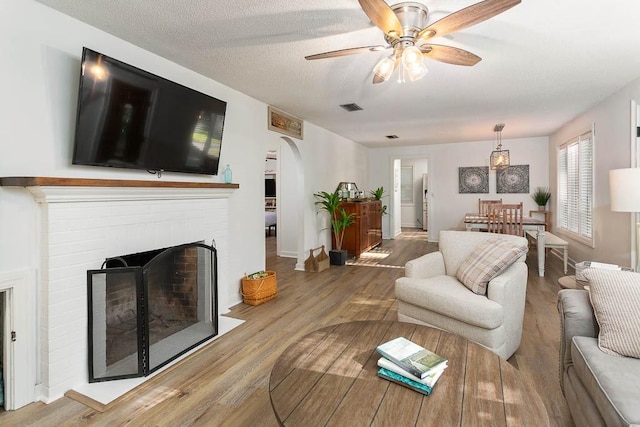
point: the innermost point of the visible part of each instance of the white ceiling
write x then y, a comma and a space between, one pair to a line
543, 61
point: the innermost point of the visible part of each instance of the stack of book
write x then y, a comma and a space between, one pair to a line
409, 364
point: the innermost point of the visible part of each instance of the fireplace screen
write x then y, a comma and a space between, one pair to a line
149, 308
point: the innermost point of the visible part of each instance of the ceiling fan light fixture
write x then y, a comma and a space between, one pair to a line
384, 68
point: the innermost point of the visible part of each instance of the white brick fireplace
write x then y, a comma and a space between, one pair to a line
81, 223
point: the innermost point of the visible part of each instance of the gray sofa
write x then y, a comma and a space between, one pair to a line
430, 294
600, 389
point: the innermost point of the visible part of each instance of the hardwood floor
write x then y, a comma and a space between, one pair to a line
226, 383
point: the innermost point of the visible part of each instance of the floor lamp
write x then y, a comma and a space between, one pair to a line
624, 188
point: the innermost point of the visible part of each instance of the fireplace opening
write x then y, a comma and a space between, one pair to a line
146, 309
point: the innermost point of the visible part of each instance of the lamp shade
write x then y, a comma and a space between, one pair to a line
624, 189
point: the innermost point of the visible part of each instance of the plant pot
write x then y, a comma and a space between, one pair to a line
338, 257
542, 208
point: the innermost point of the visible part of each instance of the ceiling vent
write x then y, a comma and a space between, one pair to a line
351, 107
391, 136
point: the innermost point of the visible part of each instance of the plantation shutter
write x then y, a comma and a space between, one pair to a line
575, 186
562, 188
586, 184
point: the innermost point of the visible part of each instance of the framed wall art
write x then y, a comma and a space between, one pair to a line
287, 124
473, 179
514, 179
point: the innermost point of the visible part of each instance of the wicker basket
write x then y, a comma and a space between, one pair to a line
261, 290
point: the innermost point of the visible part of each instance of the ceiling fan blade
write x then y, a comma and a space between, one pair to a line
449, 55
381, 14
467, 17
344, 52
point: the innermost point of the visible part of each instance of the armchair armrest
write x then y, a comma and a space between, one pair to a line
576, 319
429, 265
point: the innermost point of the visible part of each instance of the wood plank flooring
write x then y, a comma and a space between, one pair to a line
226, 383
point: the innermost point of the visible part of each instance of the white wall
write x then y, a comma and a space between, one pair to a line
446, 206
41, 51
612, 150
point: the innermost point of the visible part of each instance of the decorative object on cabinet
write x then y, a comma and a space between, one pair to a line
541, 196
473, 179
349, 191
378, 194
287, 124
339, 219
514, 179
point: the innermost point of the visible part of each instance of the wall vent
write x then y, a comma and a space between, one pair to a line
392, 136
351, 107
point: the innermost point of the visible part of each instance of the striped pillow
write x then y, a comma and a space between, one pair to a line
486, 261
615, 297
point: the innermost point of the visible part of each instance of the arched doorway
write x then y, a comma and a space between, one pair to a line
290, 184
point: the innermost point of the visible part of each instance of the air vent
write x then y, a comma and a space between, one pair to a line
391, 136
351, 107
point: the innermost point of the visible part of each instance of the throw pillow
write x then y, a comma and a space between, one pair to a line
615, 297
487, 261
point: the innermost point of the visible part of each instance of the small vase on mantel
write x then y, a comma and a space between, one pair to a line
227, 175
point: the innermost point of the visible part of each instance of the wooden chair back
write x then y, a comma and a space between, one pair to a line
511, 216
484, 205
494, 216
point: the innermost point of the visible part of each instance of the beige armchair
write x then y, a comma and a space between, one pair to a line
430, 294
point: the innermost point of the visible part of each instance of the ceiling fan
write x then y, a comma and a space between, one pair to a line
406, 32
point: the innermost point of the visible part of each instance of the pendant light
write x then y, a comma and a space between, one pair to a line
499, 158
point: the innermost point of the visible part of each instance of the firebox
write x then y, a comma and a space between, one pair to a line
147, 309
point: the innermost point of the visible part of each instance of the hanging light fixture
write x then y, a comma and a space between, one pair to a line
499, 158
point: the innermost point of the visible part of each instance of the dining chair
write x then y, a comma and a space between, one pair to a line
511, 217
494, 218
483, 205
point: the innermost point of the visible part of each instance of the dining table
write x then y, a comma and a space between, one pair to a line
476, 220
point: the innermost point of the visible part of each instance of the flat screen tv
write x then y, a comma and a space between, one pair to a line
269, 187
130, 118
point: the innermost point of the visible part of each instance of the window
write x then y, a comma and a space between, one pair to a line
575, 188
406, 185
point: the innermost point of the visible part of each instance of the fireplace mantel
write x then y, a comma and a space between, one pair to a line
52, 189
78, 223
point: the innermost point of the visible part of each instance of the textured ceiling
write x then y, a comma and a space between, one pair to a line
543, 61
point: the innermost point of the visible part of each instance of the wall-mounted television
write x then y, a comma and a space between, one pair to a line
130, 118
269, 187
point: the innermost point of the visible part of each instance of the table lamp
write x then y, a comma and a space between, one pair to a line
624, 190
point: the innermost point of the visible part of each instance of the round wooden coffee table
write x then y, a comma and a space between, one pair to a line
329, 377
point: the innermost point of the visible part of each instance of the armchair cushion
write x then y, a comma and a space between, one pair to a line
445, 295
615, 296
487, 261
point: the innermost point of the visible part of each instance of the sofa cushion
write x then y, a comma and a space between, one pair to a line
612, 382
487, 261
615, 296
446, 295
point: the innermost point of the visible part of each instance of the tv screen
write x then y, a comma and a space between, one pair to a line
269, 187
130, 118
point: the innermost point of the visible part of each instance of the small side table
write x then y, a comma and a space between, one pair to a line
570, 282
547, 218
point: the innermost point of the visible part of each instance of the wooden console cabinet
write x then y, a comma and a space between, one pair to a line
366, 232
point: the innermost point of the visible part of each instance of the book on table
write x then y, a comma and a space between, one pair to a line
404, 381
411, 357
429, 380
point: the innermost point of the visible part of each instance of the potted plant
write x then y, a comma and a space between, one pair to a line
340, 220
541, 196
378, 194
